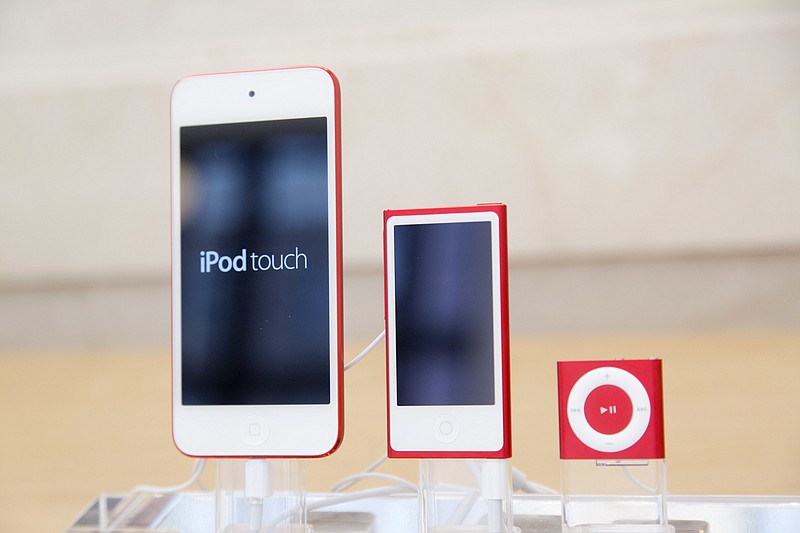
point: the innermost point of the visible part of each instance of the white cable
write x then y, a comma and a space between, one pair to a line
102, 519
256, 514
495, 486
350, 480
641, 485
347, 482
353, 496
378, 462
131, 504
519, 481
463, 509
197, 470
368, 349
256, 489
333, 500
531, 487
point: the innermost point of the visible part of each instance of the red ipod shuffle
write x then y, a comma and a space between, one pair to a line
611, 409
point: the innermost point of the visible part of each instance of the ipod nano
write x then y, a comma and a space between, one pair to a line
447, 332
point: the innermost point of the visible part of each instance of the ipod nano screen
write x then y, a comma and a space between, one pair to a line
443, 314
254, 263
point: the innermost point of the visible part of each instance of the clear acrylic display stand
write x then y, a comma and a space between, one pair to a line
464, 496
260, 495
614, 496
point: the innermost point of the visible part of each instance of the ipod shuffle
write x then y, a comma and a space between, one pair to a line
611, 409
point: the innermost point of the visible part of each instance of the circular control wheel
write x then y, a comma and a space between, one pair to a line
608, 409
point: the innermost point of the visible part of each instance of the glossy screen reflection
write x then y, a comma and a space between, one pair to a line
255, 300
443, 314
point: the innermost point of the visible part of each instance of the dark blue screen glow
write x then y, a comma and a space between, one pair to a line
443, 314
254, 263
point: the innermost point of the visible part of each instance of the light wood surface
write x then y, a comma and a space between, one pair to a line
74, 425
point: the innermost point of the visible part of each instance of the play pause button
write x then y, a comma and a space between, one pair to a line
608, 409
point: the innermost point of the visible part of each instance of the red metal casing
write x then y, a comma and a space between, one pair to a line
603, 413
339, 369
505, 451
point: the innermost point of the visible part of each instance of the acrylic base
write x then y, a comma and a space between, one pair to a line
260, 495
193, 512
461, 495
621, 496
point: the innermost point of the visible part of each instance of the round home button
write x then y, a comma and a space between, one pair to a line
446, 428
254, 430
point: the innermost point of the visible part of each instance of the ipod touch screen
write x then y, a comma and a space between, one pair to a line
255, 281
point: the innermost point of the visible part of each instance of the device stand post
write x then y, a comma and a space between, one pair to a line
614, 496
465, 495
260, 496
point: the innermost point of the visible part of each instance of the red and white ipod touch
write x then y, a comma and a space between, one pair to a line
611, 409
257, 264
446, 310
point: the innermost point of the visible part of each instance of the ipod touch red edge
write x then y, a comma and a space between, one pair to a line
252, 427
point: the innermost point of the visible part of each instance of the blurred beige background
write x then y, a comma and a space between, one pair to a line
649, 153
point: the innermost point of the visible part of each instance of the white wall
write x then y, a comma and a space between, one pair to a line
626, 133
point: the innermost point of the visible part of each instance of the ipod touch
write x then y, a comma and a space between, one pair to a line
256, 264
447, 332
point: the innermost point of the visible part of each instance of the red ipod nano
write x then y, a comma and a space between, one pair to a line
446, 305
611, 409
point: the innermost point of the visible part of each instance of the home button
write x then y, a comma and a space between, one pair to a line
254, 430
446, 428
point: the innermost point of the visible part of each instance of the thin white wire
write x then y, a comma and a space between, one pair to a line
463, 509
368, 349
197, 470
138, 492
641, 485
378, 462
334, 500
350, 480
521, 482
531, 487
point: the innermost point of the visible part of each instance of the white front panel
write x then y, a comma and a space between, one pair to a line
453, 427
292, 429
